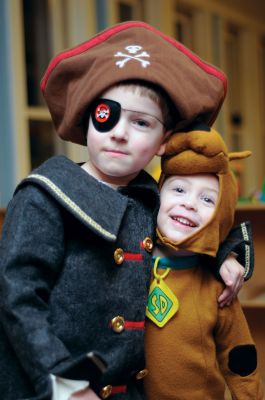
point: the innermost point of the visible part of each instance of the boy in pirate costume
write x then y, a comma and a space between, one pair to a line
187, 335
77, 241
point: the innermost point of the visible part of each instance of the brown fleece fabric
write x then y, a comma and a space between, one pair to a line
182, 356
201, 345
200, 151
129, 51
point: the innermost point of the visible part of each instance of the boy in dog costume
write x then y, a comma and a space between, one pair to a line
75, 255
187, 335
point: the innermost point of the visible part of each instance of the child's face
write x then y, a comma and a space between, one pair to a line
117, 155
187, 203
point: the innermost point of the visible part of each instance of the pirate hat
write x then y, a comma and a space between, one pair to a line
202, 150
129, 51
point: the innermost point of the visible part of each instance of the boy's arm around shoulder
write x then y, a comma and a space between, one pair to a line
31, 257
239, 241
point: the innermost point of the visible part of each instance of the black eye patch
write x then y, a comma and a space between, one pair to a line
105, 114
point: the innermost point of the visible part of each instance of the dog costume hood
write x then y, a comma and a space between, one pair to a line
202, 150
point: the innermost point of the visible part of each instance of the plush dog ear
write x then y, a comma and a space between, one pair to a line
238, 155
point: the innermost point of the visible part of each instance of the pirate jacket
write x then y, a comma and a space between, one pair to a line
74, 280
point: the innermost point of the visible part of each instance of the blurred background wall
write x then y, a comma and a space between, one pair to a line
227, 33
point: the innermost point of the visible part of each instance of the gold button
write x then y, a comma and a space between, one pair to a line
106, 391
148, 244
141, 374
117, 324
119, 256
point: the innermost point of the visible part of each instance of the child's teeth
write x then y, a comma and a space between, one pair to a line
184, 221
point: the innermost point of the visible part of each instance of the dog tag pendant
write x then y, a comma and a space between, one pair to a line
162, 304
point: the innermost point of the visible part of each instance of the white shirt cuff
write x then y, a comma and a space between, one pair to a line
63, 388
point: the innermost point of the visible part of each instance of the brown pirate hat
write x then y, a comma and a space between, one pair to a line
129, 51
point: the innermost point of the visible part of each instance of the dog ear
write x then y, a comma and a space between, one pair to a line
238, 155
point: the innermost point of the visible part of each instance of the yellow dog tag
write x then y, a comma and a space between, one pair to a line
162, 304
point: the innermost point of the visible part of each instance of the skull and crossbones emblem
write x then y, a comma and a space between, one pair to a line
102, 113
133, 54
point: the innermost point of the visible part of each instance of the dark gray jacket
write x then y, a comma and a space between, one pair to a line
60, 286
73, 256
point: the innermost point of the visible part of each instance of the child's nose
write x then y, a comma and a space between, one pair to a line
120, 130
190, 203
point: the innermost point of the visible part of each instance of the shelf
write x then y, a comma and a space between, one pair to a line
250, 206
250, 300
253, 304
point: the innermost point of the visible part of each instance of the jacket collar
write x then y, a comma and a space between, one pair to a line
81, 194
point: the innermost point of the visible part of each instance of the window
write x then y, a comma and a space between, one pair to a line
37, 46
41, 141
38, 52
262, 98
126, 10
47, 27
234, 95
183, 22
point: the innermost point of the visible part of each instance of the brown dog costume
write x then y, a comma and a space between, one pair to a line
183, 355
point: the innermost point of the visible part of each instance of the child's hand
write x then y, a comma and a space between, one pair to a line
85, 394
232, 274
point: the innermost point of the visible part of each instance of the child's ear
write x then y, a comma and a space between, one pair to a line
162, 147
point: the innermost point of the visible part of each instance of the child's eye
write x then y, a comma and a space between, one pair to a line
141, 123
208, 200
179, 189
